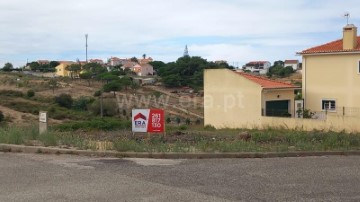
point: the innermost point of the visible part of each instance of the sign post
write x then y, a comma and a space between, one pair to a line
43, 122
148, 120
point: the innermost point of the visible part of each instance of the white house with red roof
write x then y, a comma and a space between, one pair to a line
331, 75
98, 61
260, 67
237, 100
292, 63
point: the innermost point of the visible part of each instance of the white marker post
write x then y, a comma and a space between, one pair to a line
43, 122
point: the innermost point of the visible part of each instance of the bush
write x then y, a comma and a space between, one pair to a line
82, 103
64, 100
30, 93
95, 124
2, 117
12, 93
97, 93
110, 108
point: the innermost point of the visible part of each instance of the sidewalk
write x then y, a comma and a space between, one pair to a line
58, 151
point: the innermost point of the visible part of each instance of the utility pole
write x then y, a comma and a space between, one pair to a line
86, 45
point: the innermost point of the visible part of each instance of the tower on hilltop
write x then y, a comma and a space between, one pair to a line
186, 51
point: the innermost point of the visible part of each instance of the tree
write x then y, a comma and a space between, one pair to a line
112, 86
34, 66
172, 80
134, 59
8, 67
134, 86
280, 71
54, 64
86, 75
279, 63
108, 77
64, 100
74, 69
2, 117
186, 71
126, 82
144, 56
95, 69
53, 84
157, 65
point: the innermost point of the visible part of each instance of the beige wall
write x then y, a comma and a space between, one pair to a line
331, 77
332, 123
230, 99
61, 71
284, 94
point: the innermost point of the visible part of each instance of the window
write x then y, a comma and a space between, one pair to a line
359, 67
328, 105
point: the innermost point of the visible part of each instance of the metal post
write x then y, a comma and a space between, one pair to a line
86, 45
101, 106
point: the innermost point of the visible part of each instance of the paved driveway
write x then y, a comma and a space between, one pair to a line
31, 177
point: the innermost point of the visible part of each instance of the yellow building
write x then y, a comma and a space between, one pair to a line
331, 74
61, 68
237, 100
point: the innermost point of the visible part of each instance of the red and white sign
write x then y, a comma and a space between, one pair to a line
148, 120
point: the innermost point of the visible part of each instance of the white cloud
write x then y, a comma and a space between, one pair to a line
37, 29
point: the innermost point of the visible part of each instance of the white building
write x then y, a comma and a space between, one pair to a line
260, 67
292, 63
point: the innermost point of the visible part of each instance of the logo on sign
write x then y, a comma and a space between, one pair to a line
140, 120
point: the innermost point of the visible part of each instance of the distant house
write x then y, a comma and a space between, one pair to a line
260, 67
114, 61
331, 75
128, 65
98, 61
292, 63
61, 68
143, 69
43, 62
145, 60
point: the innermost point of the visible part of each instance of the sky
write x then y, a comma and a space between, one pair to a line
237, 31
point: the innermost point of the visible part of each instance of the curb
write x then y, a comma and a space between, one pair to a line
58, 151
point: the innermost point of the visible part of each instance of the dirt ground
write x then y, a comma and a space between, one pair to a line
78, 88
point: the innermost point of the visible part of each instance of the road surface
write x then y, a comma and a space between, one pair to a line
37, 177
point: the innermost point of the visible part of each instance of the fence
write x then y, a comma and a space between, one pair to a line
319, 115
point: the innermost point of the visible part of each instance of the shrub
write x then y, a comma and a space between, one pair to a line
30, 93
97, 93
82, 103
64, 100
168, 120
110, 108
2, 117
209, 128
13, 93
95, 124
178, 120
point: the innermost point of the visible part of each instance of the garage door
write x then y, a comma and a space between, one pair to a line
277, 108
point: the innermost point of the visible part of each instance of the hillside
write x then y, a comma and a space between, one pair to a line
18, 108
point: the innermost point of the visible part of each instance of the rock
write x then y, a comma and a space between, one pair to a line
245, 136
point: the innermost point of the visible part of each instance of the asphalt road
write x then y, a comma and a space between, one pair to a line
36, 177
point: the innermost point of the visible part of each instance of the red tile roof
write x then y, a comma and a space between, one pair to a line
291, 61
266, 83
257, 62
331, 47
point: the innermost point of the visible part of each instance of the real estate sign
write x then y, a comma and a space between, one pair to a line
148, 120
